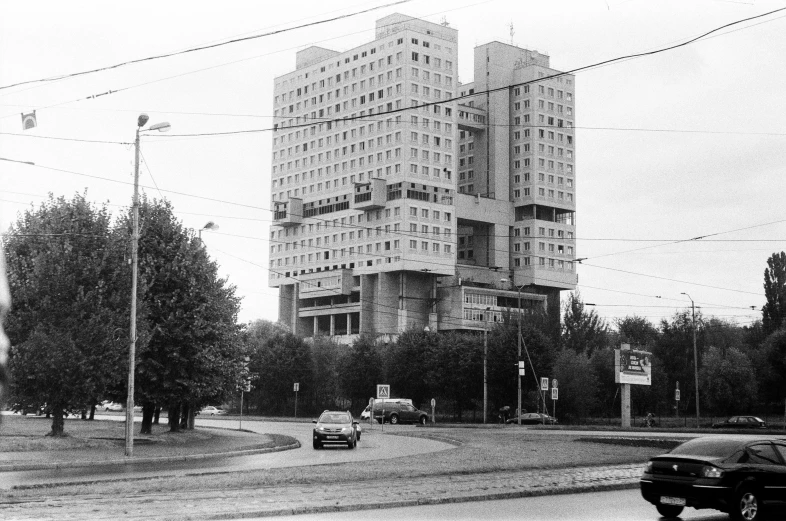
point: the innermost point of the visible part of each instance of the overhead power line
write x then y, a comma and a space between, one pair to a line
204, 47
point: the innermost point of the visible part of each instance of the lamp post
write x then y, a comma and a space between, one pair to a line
210, 225
162, 127
695, 358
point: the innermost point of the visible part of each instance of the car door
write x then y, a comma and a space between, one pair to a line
767, 466
407, 413
779, 487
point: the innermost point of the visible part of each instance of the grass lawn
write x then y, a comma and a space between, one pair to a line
476, 451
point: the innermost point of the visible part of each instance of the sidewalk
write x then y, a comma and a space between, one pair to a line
319, 498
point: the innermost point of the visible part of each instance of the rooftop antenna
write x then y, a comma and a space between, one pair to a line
444, 22
512, 32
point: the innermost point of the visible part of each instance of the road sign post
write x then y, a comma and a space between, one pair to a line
383, 391
433, 406
297, 388
371, 413
554, 398
677, 399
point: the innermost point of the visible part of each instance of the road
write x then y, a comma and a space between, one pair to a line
623, 505
370, 447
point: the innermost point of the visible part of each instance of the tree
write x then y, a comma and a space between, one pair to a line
457, 369
361, 370
583, 331
728, 383
409, 361
637, 331
70, 290
578, 384
674, 348
194, 354
774, 311
281, 359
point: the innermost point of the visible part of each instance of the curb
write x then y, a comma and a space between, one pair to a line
162, 459
574, 489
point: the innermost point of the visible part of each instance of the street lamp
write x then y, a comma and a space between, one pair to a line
695, 358
210, 225
161, 127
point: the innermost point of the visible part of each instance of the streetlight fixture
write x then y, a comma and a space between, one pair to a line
161, 127
695, 357
210, 225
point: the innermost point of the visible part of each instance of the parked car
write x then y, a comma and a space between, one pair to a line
399, 412
734, 474
335, 427
209, 410
534, 418
366, 414
741, 422
106, 405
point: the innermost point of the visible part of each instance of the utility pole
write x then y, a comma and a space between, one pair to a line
695, 359
485, 366
518, 369
141, 121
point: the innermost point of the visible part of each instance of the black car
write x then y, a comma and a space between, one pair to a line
336, 427
741, 422
399, 412
534, 418
735, 474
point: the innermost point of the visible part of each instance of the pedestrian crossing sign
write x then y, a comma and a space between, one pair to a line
383, 391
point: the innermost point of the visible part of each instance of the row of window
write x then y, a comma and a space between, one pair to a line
422, 247
559, 249
543, 262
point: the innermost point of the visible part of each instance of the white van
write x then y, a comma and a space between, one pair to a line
366, 414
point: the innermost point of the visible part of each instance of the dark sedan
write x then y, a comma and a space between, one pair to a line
741, 422
534, 418
734, 474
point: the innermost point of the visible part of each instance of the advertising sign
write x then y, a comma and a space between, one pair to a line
632, 367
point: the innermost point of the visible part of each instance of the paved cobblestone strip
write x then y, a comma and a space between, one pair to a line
319, 498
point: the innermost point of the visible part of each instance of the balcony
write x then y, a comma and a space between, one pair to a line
370, 196
288, 213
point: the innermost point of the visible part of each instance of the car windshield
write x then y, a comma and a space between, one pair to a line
334, 417
717, 448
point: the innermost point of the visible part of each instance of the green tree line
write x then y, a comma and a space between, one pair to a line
69, 274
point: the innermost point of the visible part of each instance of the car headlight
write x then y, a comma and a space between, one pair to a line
711, 472
320, 429
648, 467
346, 430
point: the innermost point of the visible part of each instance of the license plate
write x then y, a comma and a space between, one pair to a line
668, 500
332, 437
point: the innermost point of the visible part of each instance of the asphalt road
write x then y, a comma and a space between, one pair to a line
373, 446
624, 505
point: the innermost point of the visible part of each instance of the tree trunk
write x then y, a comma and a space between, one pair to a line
148, 409
92, 412
184, 412
173, 412
84, 414
191, 417
58, 421
156, 415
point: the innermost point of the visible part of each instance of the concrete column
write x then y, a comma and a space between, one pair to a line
349, 323
332, 325
625, 405
316, 327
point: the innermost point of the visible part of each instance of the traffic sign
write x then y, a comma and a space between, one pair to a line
297, 387
544, 384
677, 394
554, 393
521, 368
383, 391
554, 383
433, 403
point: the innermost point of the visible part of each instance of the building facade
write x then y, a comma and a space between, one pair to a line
397, 205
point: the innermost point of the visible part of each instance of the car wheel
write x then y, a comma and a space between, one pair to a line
747, 505
394, 419
317, 445
669, 511
422, 420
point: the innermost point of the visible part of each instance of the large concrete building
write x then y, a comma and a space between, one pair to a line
398, 208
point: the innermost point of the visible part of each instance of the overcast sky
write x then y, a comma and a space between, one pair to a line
672, 146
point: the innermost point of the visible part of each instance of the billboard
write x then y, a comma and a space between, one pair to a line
632, 367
